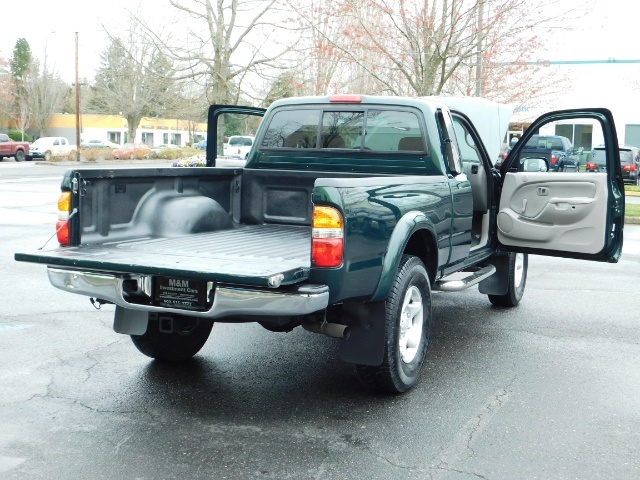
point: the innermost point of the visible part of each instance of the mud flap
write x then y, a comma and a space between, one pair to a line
365, 345
498, 283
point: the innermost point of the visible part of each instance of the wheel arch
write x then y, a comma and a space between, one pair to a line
413, 235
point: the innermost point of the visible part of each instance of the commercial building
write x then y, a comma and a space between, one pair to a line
151, 131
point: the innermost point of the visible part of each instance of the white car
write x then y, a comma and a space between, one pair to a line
48, 147
238, 146
95, 143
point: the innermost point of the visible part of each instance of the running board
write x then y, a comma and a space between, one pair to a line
459, 284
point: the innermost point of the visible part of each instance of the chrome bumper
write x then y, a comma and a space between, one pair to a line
227, 300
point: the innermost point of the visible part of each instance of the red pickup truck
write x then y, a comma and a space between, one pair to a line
9, 148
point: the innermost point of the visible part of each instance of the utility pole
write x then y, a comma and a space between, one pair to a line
77, 106
479, 34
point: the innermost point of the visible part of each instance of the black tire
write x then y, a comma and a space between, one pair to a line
405, 344
19, 156
188, 337
518, 267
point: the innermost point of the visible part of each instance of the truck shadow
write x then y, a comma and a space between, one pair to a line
245, 372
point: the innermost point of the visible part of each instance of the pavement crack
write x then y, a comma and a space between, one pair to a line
495, 403
348, 440
447, 468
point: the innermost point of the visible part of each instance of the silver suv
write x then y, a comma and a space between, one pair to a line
629, 161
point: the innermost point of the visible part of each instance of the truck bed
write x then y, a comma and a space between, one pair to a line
246, 254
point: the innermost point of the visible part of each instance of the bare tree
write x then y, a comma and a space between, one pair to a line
321, 61
44, 92
222, 42
6, 93
426, 47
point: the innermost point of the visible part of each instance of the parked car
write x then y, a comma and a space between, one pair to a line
9, 148
48, 147
557, 150
502, 156
165, 146
629, 161
131, 151
95, 143
202, 145
238, 146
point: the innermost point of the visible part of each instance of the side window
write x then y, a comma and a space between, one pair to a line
56, 142
469, 152
449, 142
293, 129
564, 147
393, 131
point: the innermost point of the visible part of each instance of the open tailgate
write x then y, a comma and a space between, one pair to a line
247, 255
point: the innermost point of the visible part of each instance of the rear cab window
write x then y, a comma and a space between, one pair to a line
346, 139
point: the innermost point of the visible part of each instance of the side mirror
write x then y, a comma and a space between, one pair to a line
535, 164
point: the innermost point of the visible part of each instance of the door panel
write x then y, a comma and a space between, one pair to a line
554, 211
554, 202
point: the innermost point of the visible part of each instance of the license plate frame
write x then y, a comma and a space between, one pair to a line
180, 293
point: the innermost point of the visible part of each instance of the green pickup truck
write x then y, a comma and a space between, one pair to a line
350, 211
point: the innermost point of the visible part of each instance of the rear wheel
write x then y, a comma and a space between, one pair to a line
518, 266
174, 338
47, 155
19, 156
407, 325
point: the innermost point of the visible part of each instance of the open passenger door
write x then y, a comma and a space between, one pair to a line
216, 126
576, 214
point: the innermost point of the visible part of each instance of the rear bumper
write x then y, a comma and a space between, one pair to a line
228, 300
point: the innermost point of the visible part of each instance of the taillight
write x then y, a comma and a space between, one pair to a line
591, 166
62, 225
553, 160
629, 167
327, 238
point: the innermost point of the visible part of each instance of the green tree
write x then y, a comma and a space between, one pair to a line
282, 87
22, 59
21, 67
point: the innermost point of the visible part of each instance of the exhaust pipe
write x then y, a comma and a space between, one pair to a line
334, 330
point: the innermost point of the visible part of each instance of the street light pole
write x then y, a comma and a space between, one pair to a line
77, 106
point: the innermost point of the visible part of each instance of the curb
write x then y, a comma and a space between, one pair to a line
70, 163
632, 220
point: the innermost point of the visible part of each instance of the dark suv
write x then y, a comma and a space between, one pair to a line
629, 161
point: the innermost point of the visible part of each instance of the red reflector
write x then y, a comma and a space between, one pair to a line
342, 98
553, 160
62, 232
326, 252
630, 167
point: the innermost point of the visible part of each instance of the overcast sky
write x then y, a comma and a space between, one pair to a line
610, 30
